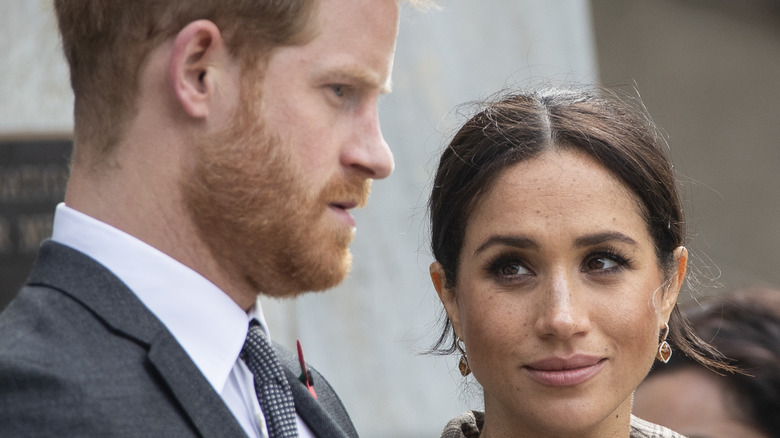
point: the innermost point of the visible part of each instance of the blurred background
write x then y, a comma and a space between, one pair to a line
707, 71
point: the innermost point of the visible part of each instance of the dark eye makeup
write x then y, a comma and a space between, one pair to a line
510, 267
605, 260
507, 267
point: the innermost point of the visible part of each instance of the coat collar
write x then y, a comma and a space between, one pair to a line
106, 297
325, 415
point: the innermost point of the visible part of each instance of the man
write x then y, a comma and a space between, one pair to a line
219, 148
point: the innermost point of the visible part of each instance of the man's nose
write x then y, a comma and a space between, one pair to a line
368, 152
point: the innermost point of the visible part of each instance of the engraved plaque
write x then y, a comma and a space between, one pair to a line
33, 175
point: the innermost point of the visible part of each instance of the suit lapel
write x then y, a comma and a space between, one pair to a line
311, 411
97, 289
203, 405
325, 416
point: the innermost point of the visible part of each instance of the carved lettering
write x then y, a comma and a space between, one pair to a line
6, 245
32, 230
33, 183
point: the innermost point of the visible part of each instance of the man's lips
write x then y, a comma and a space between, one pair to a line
342, 210
345, 205
569, 371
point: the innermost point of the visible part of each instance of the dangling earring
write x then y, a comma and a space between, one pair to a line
463, 365
664, 349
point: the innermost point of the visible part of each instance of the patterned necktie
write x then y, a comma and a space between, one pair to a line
273, 391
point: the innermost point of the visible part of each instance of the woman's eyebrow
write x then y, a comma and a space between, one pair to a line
520, 242
607, 236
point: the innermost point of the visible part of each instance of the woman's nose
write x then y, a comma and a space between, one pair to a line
561, 313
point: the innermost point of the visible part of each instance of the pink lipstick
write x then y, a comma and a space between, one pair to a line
560, 372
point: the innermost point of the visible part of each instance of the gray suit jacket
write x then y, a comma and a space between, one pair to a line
81, 356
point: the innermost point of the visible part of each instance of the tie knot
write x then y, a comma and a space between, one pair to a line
260, 358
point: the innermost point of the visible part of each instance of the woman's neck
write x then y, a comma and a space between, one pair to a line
498, 425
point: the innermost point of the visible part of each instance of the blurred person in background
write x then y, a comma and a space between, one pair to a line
685, 396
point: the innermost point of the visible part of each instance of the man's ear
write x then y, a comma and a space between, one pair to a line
675, 282
447, 296
197, 50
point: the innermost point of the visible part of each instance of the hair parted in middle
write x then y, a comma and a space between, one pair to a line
515, 127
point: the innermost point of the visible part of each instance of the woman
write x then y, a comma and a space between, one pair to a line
745, 326
557, 234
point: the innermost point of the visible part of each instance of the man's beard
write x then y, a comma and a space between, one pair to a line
251, 207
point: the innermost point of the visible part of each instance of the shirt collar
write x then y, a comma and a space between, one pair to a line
205, 321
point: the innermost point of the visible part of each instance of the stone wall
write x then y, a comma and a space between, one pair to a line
367, 334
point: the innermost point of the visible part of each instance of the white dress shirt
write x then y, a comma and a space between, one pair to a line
206, 322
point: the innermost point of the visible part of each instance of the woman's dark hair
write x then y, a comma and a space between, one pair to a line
517, 127
745, 327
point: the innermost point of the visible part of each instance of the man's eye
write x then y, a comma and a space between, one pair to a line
338, 90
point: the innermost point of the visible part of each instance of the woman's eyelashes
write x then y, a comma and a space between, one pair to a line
605, 261
509, 267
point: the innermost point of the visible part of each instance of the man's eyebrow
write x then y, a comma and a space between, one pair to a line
357, 76
387, 87
519, 242
607, 236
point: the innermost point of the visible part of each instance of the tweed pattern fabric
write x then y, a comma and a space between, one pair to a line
471, 423
273, 390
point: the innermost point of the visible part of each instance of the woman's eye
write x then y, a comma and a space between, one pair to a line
508, 268
605, 262
600, 264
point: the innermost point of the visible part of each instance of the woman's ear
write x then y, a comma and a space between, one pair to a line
447, 296
198, 53
675, 281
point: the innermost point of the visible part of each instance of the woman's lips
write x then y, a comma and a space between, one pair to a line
571, 371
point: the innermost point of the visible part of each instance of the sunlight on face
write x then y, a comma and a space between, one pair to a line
559, 298
272, 194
